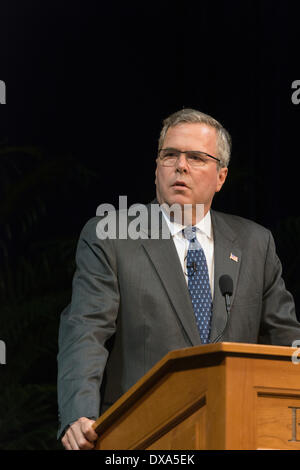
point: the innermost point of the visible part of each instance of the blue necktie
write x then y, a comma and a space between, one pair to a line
198, 284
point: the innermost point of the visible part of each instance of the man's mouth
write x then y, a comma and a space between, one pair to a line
180, 184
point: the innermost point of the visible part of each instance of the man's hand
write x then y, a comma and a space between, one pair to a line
80, 435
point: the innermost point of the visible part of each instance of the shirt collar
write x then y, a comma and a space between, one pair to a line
203, 226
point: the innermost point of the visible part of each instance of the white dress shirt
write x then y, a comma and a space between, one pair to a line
204, 235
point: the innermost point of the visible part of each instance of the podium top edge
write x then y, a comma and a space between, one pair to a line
235, 348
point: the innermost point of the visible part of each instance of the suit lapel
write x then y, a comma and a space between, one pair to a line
227, 256
163, 255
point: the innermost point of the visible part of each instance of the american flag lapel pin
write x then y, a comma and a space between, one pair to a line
233, 257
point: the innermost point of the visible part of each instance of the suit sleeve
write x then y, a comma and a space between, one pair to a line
279, 323
85, 326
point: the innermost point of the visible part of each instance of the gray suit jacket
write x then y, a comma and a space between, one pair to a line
131, 305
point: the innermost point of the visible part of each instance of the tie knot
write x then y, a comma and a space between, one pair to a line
189, 233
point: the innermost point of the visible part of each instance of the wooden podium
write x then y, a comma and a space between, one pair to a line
216, 396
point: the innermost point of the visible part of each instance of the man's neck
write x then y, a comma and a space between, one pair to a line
187, 214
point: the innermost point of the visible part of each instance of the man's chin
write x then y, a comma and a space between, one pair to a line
179, 199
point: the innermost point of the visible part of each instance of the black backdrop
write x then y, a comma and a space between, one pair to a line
88, 84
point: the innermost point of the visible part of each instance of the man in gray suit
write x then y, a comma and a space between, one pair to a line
132, 301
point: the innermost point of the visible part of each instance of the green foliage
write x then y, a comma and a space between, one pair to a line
40, 225
29, 418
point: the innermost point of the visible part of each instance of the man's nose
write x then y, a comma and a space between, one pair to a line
181, 163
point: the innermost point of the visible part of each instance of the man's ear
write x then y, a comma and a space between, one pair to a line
222, 175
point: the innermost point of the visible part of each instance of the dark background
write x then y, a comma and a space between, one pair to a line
88, 85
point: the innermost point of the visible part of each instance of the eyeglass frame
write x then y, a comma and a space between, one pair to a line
186, 151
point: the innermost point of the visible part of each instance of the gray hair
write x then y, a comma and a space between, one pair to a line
192, 115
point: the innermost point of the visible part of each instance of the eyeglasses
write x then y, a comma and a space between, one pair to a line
195, 158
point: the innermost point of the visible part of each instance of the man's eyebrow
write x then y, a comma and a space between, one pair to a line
184, 151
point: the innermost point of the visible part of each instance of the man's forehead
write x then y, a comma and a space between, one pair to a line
191, 132
191, 128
